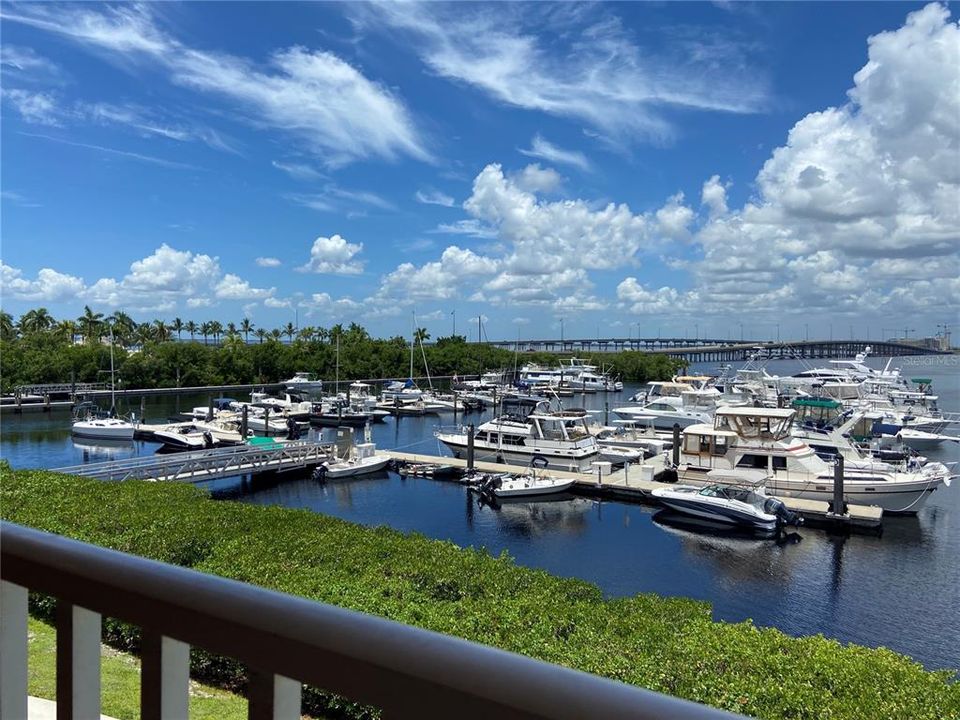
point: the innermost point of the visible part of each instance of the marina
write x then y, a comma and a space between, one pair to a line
607, 514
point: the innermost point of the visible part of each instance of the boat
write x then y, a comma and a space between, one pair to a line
363, 460
304, 383
526, 484
638, 433
561, 437
734, 497
91, 422
197, 435
760, 438
620, 455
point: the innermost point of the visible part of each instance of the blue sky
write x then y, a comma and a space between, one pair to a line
632, 167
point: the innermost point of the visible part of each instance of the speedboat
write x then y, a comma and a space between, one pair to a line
620, 455
304, 382
746, 505
363, 460
523, 484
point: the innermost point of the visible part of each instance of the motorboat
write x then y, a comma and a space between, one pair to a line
760, 438
337, 412
620, 455
562, 438
197, 435
362, 460
508, 485
638, 433
304, 382
922, 441
744, 503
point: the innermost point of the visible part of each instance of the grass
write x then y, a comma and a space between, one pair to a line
120, 681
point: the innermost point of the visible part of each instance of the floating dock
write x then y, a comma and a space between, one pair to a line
196, 466
629, 484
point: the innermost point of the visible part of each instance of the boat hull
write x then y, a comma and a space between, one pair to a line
103, 432
557, 486
717, 514
367, 465
566, 461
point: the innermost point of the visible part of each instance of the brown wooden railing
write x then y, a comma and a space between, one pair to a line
283, 640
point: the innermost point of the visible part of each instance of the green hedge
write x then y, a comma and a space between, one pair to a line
665, 644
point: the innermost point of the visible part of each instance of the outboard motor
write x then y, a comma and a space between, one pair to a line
773, 506
320, 473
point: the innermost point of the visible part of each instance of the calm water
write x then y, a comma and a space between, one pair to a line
901, 590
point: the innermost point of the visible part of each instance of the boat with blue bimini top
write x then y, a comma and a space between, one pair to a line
735, 497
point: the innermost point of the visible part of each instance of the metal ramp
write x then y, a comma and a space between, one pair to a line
278, 456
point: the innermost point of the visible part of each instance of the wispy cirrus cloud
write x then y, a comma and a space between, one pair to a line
573, 61
334, 111
434, 197
333, 198
125, 154
545, 150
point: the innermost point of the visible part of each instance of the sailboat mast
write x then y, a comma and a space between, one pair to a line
113, 388
413, 334
337, 379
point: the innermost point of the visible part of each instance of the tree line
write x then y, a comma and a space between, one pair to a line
39, 348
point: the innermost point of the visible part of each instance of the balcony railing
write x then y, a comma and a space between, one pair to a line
283, 640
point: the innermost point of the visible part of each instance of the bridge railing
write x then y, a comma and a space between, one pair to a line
283, 640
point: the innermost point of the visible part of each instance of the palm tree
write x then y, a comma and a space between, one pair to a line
124, 326
144, 333
66, 329
7, 329
335, 332
216, 329
246, 327
34, 321
275, 334
307, 333
420, 335
191, 327
161, 332
231, 329
90, 325
205, 330
177, 326
261, 334
289, 331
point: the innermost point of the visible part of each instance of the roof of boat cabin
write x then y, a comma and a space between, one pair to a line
782, 413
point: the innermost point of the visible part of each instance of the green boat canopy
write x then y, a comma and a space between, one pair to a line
921, 381
816, 402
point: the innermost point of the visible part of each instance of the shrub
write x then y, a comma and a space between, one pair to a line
666, 644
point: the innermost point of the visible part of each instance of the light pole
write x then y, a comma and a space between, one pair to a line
778, 332
741, 331
454, 313
806, 331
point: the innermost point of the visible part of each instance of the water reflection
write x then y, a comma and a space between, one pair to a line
552, 514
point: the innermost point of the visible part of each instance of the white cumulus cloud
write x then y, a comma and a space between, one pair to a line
334, 255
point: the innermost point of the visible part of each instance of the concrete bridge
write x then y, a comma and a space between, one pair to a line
711, 350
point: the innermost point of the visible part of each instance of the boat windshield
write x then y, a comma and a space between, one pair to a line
727, 492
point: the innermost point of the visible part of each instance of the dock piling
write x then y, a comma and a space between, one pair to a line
676, 444
839, 507
243, 423
470, 446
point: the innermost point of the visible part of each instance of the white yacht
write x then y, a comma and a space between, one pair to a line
561, 438
508, 485
304, 382
759, 438
105, 428
362, 460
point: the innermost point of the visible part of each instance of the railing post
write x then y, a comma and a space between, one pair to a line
13, 651
272, 697
78, 662
164, 678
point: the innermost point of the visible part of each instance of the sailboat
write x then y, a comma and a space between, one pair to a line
98, 424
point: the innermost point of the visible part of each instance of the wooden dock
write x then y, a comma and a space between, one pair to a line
276, 456
629, 485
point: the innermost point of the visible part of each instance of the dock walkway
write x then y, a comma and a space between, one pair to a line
627, 484
278, 456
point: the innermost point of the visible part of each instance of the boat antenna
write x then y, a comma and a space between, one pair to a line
423, 354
